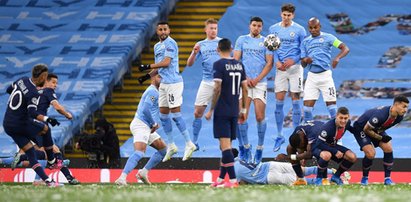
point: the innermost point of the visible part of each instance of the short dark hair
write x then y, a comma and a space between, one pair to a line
401, 98
256, 18
288, 7
51, 75
162, 23
38, 70
343, 110
224, 45
295, 140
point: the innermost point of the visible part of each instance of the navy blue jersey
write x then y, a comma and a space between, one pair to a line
22, 103
231, 73
378, 118
47, 95
309, 128
329, 135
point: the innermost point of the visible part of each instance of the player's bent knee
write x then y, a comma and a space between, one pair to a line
350, 156
326, 155
369, 151
386, 147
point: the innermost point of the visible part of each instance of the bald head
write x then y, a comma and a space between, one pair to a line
314, 26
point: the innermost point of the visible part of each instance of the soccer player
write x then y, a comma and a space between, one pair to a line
370, 133
316, 55
207, 51
228, 75
301, 141
170, 90
257, 61
289, 73
21, 107
326, 147
143, 127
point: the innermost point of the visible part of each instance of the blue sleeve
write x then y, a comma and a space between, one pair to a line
218, 74
51, 95
32, 100
376, 120
302, 49
171, 50
239, 44
275, 54
147, 113
243, 74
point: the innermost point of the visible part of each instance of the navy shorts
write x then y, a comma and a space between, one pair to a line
363, 139
316, 152
35, 127
225, 127
20, 134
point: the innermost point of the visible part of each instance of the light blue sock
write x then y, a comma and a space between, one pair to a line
261, 128
279, 116
329, 171
308, 113
132, 161
239, 137
244, 132
296, 113
333, 110
181, 125
196, 128
6, 161
166, 123
310, 171
310, 180
43, 164
155, 159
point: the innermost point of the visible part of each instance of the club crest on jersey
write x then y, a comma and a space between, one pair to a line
34, 100
162, 46
321, 40
292, 34
374, 120
261, 44
152, 98
323, 133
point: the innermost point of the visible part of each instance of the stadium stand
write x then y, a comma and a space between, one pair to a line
89, 44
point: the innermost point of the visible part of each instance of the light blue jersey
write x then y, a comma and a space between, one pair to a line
291, 38
147, 110
253, 174
319, 49
253, 55
168, 48
208, 53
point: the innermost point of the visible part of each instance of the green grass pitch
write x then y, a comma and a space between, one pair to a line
199, 192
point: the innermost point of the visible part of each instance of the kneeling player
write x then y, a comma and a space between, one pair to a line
143, 127
326, 148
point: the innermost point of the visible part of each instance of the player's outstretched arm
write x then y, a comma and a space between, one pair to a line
60, 109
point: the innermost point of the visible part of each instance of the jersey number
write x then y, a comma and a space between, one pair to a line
235, 86
20, 99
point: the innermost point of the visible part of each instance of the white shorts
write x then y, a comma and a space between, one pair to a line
258, 92
281, 173
170, 95
142, 133
320, 82
205, 93
291, 79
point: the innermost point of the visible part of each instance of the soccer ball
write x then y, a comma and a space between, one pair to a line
272, 42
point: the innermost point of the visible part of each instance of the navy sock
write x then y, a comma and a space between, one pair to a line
34, 164
66, 173
322, 168
223, 171
40, 155
228, 162
344, 166
366, 165
388, 163
298, 170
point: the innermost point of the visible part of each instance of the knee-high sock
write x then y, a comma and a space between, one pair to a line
39, 154
167, 127
155, 159
296, 113
197, 123
332, 109
261, 128
132, 161
344, 166
279, 116
181, 125
322, 168
34, 164
244, 132
388, 161
227, 161
298, 170
239, 137
308, 113
366, 165
48, 145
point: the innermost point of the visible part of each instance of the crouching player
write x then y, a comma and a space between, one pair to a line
326, 148
143, 127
